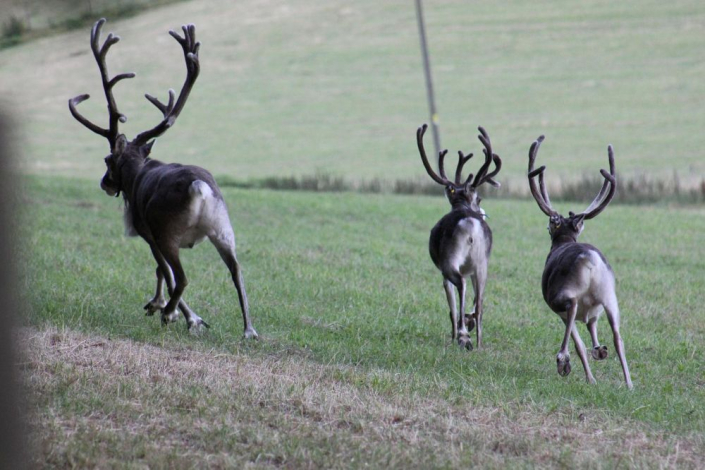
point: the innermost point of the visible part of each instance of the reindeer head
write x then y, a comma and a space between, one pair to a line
124, 153
462, 193
572, 226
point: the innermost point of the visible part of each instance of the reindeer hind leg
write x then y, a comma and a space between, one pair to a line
224, 242
612, 311
563, 356
463, 333
478, 283
450, 297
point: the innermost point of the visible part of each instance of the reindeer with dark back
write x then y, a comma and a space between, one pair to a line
578, 283
171, 206
461, 241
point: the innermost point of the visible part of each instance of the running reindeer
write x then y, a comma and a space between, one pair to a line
461, 241
578, 282
170, 206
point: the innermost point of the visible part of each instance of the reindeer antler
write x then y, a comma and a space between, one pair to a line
462, 160
424, 159
541, 198
601, 200
114, 115
170, 110
482, 175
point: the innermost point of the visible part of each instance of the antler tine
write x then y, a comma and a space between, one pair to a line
489, 178
424, 159
73, 102
164, 108
482, 176
441, 163
601, 201
172, 110
99, 53
543, 201
542, 187
462, 160
485, 139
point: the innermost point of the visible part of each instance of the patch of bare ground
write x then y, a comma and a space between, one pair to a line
99, 402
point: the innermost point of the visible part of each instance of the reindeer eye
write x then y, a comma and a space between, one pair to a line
451, 189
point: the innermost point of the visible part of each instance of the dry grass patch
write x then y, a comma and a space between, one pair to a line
98, 402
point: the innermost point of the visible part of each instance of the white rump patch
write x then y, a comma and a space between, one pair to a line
199, 211
200, 188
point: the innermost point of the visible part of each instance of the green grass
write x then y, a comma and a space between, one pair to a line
345, 281
355, 366
27, 20
293, 89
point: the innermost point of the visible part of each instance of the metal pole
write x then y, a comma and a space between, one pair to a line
429, 82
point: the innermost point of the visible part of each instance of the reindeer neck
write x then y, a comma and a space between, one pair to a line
128, 173
461, 206
563, 239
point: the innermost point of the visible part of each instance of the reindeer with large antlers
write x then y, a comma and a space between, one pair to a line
578, 282
171, 206
461, 241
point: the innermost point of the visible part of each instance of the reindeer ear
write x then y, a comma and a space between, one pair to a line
120, 145
146, 149
577, 221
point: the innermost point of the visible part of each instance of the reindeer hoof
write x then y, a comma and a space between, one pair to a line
169, 317
197, 327
250, 333
464, 342
563, 366
154, 306
599, 353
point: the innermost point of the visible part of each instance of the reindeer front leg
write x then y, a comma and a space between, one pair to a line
158, 302
171, 256
193, 321
598, 352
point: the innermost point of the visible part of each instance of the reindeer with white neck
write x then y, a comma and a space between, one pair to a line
461, 242
578, 282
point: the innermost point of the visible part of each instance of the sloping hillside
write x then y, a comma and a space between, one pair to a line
295, 88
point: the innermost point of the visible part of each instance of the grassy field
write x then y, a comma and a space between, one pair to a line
40, 17
291, 89
355, 366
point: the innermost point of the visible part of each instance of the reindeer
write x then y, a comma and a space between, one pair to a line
461, 241
170, 206
578, 282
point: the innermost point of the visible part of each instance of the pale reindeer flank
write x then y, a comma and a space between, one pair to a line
578, 283
171, 206
461, 242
